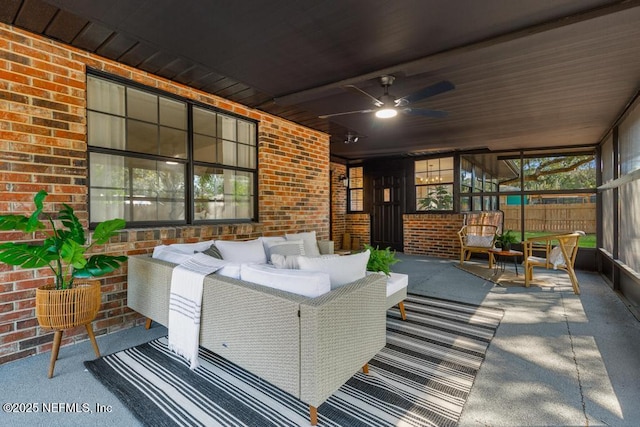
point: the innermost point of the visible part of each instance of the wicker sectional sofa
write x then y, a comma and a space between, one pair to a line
307, 347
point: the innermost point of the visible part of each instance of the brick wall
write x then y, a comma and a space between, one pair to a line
43, 146
432, 234
359, 225
338, 204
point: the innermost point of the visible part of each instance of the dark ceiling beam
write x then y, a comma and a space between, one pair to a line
419, 65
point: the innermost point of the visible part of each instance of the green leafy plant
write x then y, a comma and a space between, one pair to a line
63, 250
381, 259
437, 199
506, 239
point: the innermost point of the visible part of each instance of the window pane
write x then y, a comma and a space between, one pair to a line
465, 204
173, 143
434, 197
560, 173
226, 127
105, 96
561, 213
228, 155
142, 137
106, 131
246, 156
208, 188
356, 177
204, 122
222, 194
246, 133
204, 149
142, 105
173, 113
607, 226
421, 166
465, 175
357, 199
629, 136
135, 189
628, 239
434, 184
242, 193
607, 160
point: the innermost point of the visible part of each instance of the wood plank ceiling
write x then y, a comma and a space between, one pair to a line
527, 74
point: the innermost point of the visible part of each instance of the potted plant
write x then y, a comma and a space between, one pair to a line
506, 239
71, 300
381, 260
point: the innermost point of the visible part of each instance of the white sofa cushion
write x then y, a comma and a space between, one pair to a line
244, 251
306, 283
310, 242
230, 269
291, 261
341, 269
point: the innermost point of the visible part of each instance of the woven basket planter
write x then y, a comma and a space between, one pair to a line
67, 308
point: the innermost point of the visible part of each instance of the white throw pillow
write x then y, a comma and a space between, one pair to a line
247, 251
480, 241
285, 261
342, 269
310, 242
269, 240
305, 283
169, 254
287, 248
556, 258
192, 247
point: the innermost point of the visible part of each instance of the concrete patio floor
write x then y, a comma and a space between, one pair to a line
557, 359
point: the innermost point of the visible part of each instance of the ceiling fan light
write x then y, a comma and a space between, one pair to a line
386, 113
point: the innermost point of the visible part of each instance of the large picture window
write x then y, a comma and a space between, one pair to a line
149, 163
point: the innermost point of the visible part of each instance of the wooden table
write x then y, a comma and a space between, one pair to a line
501, 256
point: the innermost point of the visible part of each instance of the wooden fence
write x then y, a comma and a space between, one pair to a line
552, 218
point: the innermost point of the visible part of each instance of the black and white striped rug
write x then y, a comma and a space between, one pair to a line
421, 378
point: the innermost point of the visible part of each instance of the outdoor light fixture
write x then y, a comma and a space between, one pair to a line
351, 138
344, 180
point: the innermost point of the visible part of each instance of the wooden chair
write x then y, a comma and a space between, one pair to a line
561, 256
477, 238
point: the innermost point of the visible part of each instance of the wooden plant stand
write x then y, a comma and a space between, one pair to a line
65, 309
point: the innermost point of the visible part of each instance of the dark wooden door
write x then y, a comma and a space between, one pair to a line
387, 209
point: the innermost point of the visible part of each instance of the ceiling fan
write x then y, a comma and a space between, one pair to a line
387, 106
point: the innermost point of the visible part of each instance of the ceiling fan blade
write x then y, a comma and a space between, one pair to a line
425, 112
435, 89
359, 91
324, 116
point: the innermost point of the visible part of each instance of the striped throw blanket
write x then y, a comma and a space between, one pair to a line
185, 302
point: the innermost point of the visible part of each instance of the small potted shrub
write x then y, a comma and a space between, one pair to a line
71, 300
381, 260
506, 239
